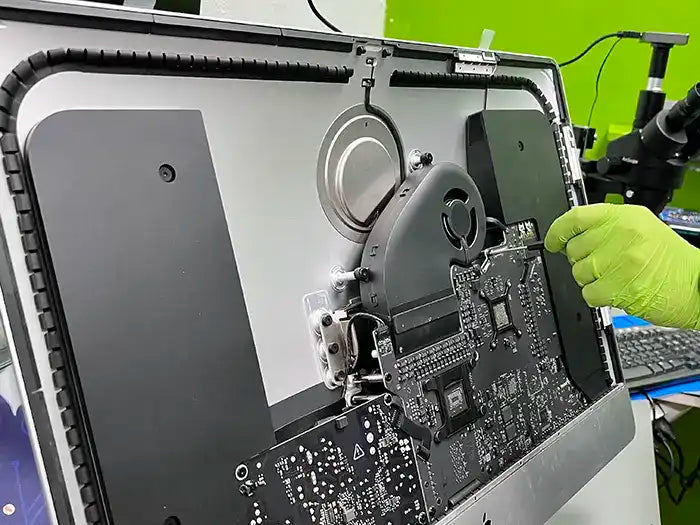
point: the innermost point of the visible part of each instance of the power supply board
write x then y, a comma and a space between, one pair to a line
352, 469
458, 413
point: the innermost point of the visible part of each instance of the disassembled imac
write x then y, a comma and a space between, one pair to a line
259, 275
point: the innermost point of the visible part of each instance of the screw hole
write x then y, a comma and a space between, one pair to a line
521, 146
171, 520
241, 472
365, 124
387, 377
166, 172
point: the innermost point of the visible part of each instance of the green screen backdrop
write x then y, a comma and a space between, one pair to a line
561, 30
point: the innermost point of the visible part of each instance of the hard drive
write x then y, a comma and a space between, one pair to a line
262, 275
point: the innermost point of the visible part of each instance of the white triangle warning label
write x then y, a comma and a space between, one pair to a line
359, 453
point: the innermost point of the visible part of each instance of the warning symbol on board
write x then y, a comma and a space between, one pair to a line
359, 453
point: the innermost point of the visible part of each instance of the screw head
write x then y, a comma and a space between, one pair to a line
340, 375
241, 472
166, 172
333, 348
363, 274
326, 320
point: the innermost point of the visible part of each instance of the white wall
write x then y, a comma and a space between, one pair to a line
363, 17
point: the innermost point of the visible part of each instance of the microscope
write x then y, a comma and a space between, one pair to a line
646, 165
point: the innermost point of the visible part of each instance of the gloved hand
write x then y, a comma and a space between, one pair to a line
624, 256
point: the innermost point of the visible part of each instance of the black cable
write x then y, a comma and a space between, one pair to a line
348, 336
652, 405
322, 18
349, 346
496, 222
672, 458
590, 46
675, 463
597, 80
618, 34
384, 117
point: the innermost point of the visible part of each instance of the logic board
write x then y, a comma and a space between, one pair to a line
491, 393
357, 468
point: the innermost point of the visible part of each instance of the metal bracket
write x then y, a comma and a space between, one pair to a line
327, 330
572, 153
475, 62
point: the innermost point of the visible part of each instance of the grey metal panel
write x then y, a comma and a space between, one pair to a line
154, 308
624, 491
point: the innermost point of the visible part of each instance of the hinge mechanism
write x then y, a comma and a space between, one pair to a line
475, 62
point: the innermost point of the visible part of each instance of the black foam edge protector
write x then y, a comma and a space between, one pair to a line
32, 245
69, 420
506, 59
41, 300
60, 380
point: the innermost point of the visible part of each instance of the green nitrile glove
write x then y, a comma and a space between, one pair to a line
624, 256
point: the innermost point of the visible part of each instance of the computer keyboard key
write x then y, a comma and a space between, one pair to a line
636, 372
665, 366
655, 368
676, 363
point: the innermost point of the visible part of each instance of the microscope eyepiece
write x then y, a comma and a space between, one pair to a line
684, 111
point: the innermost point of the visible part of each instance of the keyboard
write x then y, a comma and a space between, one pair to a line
652, 355
681, 219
